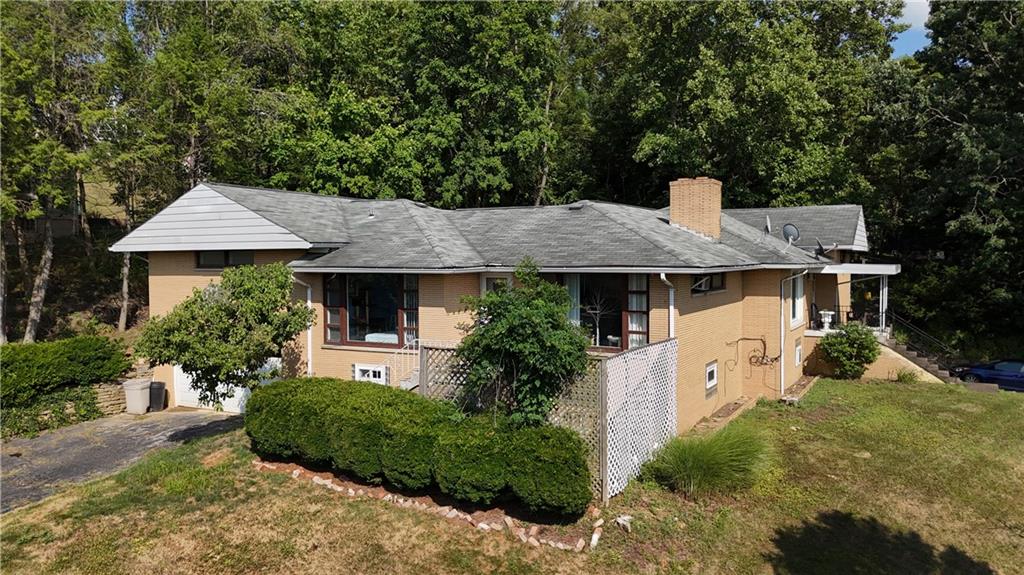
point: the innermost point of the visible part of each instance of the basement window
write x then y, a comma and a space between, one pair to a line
707, 283
220, 259
711, 376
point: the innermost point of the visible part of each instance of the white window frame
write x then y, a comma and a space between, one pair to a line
359, 368
798, 352
484, 277
796, 302
711, 383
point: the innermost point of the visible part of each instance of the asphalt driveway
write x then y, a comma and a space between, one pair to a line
33, 468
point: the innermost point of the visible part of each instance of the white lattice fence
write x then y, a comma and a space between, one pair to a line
641, 409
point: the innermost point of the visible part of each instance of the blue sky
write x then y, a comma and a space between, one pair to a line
914, 13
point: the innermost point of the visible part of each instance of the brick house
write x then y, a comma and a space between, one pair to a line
744, 302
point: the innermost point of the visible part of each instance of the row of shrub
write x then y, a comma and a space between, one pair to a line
50, 411
377, 433
34, 370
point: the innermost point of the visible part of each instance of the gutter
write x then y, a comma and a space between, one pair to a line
671, 305
309, 330
782, 330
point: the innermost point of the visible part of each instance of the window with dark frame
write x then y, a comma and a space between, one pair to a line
637, 309
220, 259
705, 283
378, 310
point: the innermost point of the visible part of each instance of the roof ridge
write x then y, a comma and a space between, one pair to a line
434, 242
773, 243
667, 249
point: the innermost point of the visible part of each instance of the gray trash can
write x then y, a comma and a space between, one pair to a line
157, 396
136, 395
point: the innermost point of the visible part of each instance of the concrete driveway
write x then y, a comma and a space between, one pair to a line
34, 468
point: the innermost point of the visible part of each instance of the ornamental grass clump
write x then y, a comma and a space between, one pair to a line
725, 461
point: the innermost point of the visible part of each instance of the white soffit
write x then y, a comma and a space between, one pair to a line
202, 219
862, 269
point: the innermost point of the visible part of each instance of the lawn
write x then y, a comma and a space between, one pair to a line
865, 478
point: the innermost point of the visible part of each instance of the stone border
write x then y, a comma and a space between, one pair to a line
527, 536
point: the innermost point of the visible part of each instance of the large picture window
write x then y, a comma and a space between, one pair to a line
371, 309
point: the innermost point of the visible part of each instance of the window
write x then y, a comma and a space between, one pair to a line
798, 352
711, 376
707, 283
796, 301
215, 260
371, 373
490, 282
636, 310
371, 309
1010, 366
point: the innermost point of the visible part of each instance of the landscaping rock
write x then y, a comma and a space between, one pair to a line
296, 473
533, 541
533, 530
523, 537
626, 522
509, 522
595, 537
580, 544
599, 523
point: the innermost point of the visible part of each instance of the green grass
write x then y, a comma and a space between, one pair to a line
863, 478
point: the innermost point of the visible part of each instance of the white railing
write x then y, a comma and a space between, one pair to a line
405, 362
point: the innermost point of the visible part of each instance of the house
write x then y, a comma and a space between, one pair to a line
743, 300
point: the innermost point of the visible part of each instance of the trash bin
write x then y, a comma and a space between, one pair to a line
136, 395
157, 396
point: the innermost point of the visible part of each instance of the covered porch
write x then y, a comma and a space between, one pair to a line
849, 292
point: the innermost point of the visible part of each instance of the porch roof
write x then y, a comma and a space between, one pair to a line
861, 269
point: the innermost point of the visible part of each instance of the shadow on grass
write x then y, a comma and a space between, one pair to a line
211, 428
838, 542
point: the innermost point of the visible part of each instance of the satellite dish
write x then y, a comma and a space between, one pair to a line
791, 233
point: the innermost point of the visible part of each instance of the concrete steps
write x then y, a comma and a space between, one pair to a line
921, 360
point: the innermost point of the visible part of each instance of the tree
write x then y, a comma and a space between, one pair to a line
223, 335
522, 347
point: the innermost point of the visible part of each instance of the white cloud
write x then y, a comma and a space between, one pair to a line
915, 12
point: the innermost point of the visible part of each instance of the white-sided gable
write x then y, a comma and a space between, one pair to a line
202, 219
860, 239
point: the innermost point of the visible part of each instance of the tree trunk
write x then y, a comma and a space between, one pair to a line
126, 268
3, 291
544, 150
83, 215
26, 269
35, 310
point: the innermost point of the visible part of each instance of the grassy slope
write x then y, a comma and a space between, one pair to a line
866, 478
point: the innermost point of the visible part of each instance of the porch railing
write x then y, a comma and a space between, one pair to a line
842, 315
922, 342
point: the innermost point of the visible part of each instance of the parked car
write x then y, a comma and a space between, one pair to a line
1007, 373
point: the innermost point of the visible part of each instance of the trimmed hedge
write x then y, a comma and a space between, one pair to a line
380, 433
369, 430
32, 370
471, 460
550, 472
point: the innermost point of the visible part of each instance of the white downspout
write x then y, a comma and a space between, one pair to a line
782, 330
671, 306
309, 330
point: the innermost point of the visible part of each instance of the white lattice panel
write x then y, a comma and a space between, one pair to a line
641, 396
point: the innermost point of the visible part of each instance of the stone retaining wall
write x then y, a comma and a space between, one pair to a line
110, 398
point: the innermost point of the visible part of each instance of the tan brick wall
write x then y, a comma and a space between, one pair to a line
888, 364
708, 328
696, 204
173, 276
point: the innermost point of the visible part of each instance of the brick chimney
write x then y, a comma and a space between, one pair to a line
696, 204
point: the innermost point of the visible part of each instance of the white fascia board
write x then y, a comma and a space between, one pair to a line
862, 269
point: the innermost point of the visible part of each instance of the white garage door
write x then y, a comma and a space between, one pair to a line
185, 396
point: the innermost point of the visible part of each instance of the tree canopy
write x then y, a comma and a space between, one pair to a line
500, 103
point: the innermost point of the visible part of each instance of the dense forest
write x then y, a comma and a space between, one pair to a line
477, 104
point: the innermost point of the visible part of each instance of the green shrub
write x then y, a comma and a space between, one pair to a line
50, 411
31, 370
365, 429
471, 459
549, 470
720, 462
849, 350
906, 376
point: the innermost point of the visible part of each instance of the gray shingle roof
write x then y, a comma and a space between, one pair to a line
401, 234
841, 224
